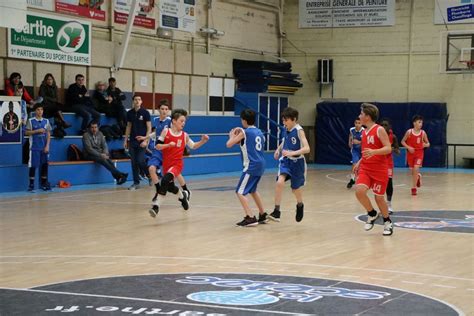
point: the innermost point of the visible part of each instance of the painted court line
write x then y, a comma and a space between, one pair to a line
412, 282
381, 279
444, 286
248, 262
159, 301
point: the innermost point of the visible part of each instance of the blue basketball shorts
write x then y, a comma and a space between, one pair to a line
247, 184
295, 170
37, 158
156, 160
356, 155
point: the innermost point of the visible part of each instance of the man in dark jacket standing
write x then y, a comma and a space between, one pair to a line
79, 102
138, 124
95, 148
117, 108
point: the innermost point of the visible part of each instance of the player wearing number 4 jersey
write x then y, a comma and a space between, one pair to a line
252, 144
373, 168
292, 162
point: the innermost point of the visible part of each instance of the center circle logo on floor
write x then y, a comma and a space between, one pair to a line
459, 221
217, 294
241, 298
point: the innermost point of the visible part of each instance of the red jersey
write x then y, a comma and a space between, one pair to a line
389, 156
173, 156
415, 141
371, 140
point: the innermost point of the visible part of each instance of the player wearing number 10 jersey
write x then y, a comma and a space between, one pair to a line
252, 145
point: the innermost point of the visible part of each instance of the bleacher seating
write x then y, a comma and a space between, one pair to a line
212, 158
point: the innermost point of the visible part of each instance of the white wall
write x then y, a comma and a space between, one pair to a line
396, 63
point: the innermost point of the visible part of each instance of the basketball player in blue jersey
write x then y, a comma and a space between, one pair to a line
39, 130
292, 162
355, 138
252, 144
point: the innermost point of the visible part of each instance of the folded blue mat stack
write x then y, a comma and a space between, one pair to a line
262, 76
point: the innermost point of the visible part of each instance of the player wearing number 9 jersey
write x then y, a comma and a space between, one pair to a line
252, 144
292, 162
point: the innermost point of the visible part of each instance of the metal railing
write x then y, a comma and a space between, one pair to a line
455, 146
266, 132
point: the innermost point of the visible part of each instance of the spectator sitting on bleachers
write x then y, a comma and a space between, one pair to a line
95, 148
118, 109
77, 98
49, 92
11, 86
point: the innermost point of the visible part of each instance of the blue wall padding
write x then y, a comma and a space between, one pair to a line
333, 121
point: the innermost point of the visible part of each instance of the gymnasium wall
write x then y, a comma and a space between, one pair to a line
157, 68
387, 64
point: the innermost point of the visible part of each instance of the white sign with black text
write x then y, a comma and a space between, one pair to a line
346, 13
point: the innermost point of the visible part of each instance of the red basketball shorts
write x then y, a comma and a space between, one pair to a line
376, 180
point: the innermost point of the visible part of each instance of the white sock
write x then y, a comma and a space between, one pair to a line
353, 177
159, 200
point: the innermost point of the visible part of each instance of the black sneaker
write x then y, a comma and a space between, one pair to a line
189, 194
31, 188
248, 222
299, 213
262, 218
350, 184
154, 210
184, 201
45, 186
275, 216
122, 178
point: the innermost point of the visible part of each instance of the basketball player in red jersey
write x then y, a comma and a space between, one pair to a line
172, 142
415, 141
385, 123
373, 168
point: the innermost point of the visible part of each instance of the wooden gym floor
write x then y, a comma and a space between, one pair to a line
107, 231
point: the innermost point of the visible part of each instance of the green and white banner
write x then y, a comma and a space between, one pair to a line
52, 39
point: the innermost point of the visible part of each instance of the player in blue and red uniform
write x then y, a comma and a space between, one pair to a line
292, 163
385, 123
373, 168
252, 146
172, 142
39, 130
355, 137
415, 141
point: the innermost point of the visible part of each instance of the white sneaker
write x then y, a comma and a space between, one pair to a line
390, 210
133, 187
370, 221
388, 229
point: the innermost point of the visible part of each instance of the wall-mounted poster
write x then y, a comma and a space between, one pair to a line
144, 15
178, 14
346, 13
454, 11
41, 4
51, 38
11, 120
91, 9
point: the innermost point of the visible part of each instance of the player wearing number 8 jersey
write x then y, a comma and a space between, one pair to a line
252, 144
292, 162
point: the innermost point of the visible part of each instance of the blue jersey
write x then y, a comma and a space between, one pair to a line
252, 147
38, 141
356, 135
292, 141
160, 125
